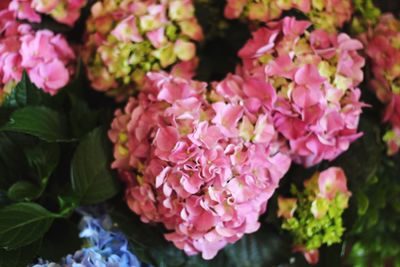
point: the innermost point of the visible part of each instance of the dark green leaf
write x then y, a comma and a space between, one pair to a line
56, 245
26, 166
92, 179
5, 114
220, 260
43, 158
25, 93
362, 202
23, 190
4, 200
41, 122
261, 249
23, 223
82, 119
77, 86
19, 257
13, 162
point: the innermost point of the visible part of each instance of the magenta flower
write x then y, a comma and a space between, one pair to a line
47, 57
307, 82
188, 165
63, 11
52, 75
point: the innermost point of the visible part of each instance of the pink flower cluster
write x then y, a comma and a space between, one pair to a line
47, 57
328, 185
206, 171
383, 50
308, 82
126, 40
325, 14
63, 11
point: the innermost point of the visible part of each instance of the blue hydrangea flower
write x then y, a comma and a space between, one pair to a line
103, 247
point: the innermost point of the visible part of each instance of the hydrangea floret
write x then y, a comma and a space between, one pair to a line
312, 79
192, 166
326, 14
47, 57
63, 11
383, 49
103, 246
127, 38
314, 215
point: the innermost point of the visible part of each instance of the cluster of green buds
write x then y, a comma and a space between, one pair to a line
314, 215
125, 39
366, 15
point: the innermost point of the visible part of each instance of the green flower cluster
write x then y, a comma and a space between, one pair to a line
125, 39
314, 215
366, 14
329, 15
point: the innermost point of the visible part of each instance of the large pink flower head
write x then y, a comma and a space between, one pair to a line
47, 57
383, 49
311, 80
126, 39
325, 14
188, 166
63, 11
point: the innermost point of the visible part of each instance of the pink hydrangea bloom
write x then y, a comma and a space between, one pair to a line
383, 49
331, 182
317, 108
125, 41
63, 11
308, 81
325, 14
187, 164
47, 57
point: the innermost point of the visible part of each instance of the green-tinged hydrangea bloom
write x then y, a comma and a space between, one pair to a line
325, 14
125, 39
382, 47
366, 14
314, 215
